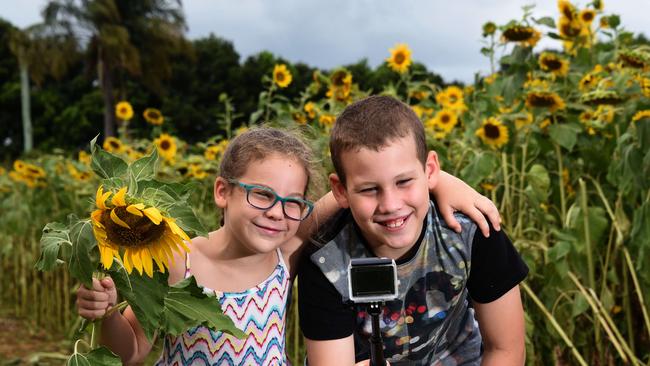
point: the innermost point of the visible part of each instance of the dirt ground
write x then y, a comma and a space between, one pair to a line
21, 342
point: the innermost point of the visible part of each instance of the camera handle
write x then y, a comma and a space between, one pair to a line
376, 344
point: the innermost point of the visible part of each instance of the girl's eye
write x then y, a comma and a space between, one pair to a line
263, 194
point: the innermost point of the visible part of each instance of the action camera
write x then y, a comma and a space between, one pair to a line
372, 280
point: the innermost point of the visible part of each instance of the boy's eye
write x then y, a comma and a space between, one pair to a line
368, 190
404, 181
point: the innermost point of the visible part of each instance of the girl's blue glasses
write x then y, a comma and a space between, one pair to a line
263, 198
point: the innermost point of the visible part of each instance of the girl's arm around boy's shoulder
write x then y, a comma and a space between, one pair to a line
324, 208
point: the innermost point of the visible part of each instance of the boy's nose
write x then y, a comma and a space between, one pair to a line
389, 201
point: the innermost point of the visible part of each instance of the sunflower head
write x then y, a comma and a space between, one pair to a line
400, 58
600, 97
644, 114
166, 146
153, 116
113, 145
551, 62
544, 99
125, 228
124, 111
587, 16
445, 120
567, 10
637, 58
489, 28
281, 76
493, 133
525, 35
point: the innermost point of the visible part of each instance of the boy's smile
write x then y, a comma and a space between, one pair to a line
387, 192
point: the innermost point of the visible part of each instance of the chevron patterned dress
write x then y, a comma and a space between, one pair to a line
259, 312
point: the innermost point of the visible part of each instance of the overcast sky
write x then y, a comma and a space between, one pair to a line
444, 35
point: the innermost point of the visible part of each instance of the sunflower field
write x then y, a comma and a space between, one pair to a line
558, 139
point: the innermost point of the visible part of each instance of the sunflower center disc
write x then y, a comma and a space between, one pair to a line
492, 131
142, 231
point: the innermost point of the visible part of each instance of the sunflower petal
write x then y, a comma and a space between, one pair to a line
153, 214
127, 261
137, 260
106, 254
147, 263
96, 218
117, 220
175, 228
156, 254
118, 198
135, 209
101, 197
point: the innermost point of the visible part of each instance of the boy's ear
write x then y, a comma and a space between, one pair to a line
221, 190
432, 169
338, 189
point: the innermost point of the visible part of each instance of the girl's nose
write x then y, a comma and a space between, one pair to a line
275, 212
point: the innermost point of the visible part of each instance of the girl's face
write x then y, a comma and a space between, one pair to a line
261, 231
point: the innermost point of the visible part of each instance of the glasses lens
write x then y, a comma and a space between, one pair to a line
261, 198
295, 208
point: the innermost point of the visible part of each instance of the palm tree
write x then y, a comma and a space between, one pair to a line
138, 37
40, 52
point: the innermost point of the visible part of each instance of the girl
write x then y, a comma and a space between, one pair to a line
250, 261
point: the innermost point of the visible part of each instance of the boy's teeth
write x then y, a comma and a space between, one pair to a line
395, 223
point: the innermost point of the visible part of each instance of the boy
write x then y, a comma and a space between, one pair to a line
383, 172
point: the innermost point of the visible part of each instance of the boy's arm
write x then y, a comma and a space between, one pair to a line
452, 194
501, 323
330, 352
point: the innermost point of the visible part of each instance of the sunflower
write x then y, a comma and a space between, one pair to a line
124, 111
587, 16
421, 111
526, 36
340, 85
310, 108
644, 83
636, 58
419, 94
452, 98
166, 147
641, 115
445, 120
153, 116
214, 151
588, 82
113, 145
544, 99
489, 28
523, 121
598, 5
400, 58
551, 62
567, 10
281, 76
492, 132
143, 234
84, 157
599, 97
196, 171
327, 120
299, 117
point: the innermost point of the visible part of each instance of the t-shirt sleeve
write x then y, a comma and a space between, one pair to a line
496, 266
323, 315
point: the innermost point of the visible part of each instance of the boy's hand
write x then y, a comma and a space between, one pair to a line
452, 194
93, 303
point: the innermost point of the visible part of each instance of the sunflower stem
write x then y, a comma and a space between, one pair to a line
560, 169
115, 308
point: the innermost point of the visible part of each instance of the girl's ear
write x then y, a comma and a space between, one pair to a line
221, 191
338, 189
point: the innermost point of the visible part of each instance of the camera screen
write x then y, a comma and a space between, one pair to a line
372, 280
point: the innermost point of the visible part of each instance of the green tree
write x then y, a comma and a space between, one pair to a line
136, 37
39, 53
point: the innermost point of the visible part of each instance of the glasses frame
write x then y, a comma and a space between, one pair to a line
248, 187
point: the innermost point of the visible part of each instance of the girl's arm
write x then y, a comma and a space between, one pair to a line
452, 194
120, 332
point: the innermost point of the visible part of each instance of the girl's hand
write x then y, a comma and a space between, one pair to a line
452, 194
367, 363
93, 303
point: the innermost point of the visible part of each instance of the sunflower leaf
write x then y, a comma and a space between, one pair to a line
145, 295
547, 21
102, 356
144, 168
564, 135
186, 306
105, 164
81, 265
187, 219
54, 235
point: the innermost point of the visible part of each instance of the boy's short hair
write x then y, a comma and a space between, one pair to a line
372, 123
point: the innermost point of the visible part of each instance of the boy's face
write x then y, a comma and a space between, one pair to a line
387, 192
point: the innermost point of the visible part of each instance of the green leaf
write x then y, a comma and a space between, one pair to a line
564, 135
481, 167
144, 168
187, 220
78, 359
105, 164
539, 181
559, 250
547, 21
579, 306
145, 295
54, 235
102, 356
186, 306
81, 265
554, 36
